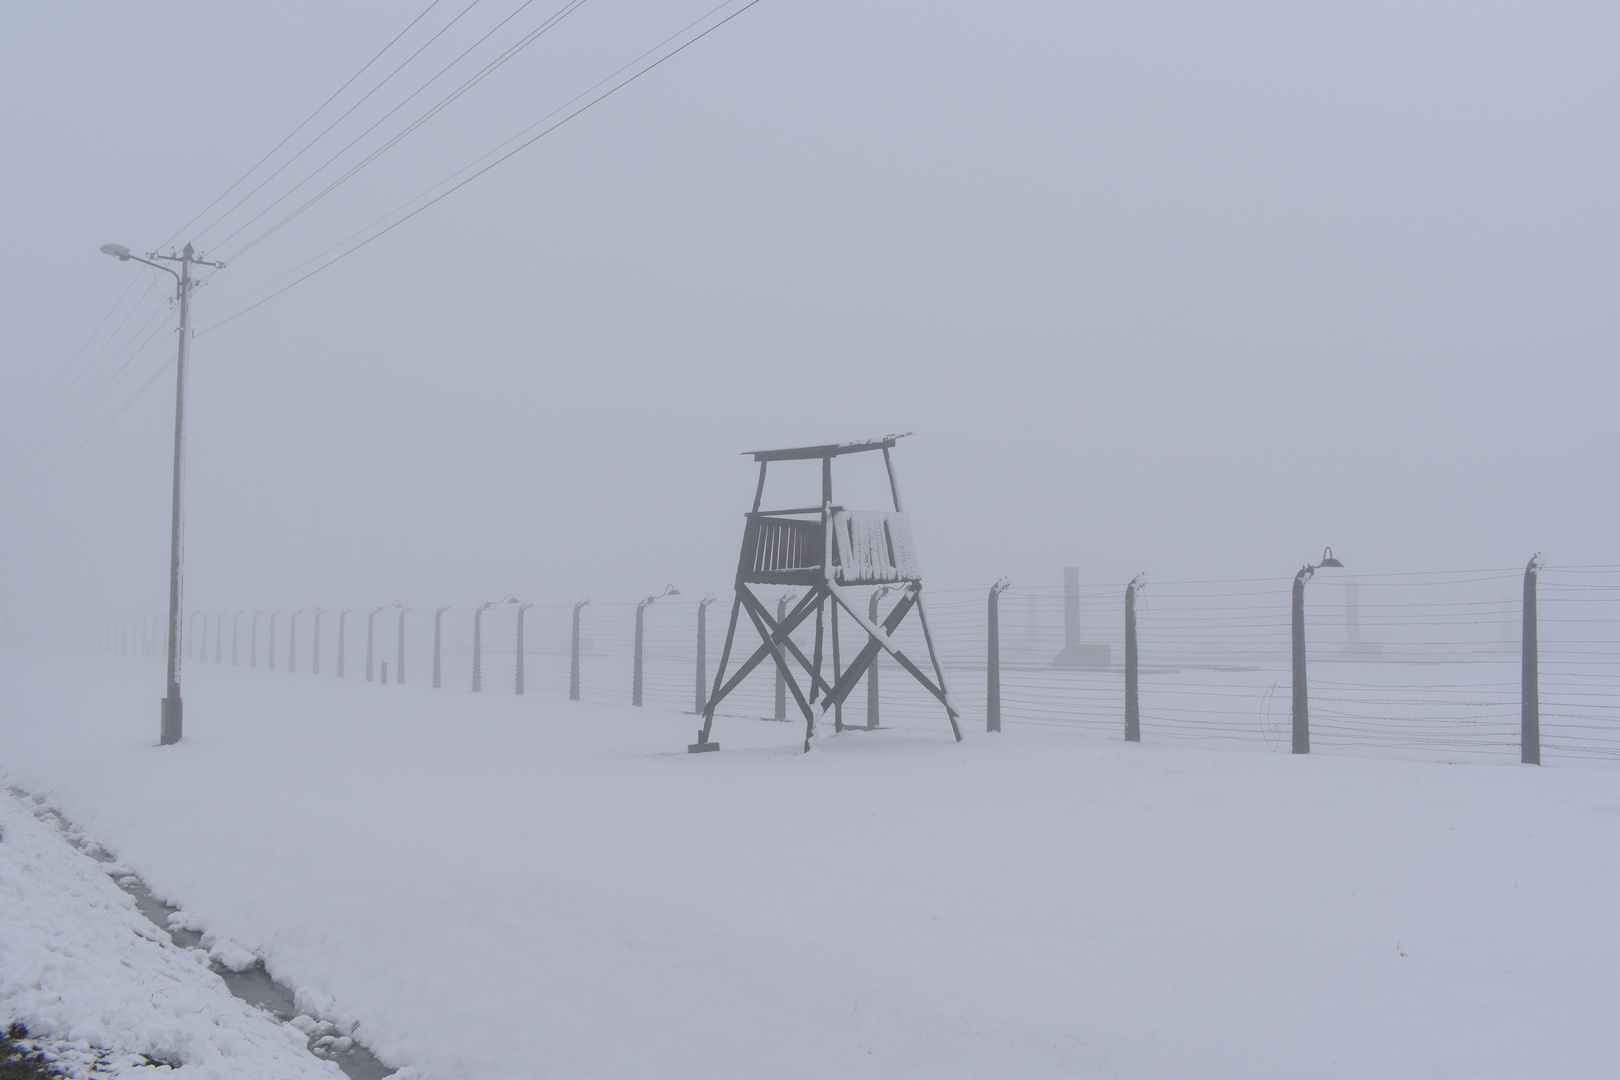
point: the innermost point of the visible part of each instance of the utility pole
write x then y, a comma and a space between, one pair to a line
172, 712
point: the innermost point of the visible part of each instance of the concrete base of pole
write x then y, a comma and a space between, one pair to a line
169, 732
1084, 654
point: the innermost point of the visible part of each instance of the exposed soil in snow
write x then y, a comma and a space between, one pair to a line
91, 988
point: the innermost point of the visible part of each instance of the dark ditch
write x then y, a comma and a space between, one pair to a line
254, 986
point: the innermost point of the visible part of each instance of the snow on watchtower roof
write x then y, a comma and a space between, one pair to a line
803, 453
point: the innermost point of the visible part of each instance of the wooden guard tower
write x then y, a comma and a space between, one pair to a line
829, 551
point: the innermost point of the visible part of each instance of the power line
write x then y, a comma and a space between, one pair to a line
443, 103
364, 98
90, 395
50, 414
516, 150
302, 124
133, 281
95, 434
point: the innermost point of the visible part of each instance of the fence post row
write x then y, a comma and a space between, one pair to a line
517, 682
399, 668
478, 647
635, 678
129, 634
1530, 676
371, 642
1133, 709
872, 668
992, 666
781, 658
438, 641
700, 699
573, 663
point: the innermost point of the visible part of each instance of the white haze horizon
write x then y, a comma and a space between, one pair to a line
1182, 290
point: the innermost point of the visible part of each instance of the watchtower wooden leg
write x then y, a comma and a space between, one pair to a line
939, 672
815, 683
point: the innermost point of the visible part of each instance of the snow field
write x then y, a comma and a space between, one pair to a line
524, 887
102, 989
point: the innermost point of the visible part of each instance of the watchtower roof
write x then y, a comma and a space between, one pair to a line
802, 453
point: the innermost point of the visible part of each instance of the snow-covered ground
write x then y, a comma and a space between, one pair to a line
103, 991
512, 887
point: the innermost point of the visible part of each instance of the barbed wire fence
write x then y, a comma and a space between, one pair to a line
1414, 664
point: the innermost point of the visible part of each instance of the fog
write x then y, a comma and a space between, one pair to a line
1188, 289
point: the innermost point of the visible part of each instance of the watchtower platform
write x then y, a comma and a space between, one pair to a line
828, 550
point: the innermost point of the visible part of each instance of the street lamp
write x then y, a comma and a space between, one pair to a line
641, 620
478, 639
172, 711
1302, 719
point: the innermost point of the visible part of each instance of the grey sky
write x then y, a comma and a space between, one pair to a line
1191, 289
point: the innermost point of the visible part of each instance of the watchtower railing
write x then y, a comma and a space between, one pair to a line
781, 550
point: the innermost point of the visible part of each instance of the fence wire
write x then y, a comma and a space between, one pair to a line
1426, 664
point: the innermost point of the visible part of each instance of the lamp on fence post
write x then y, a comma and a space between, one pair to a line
573, 664
478, 639
992, 665
1133, 706
292, 641
399, 644
1530, 675
872, 669
271, 663
641, 618
1302, 719
371, 636
315, 660
701, 697
438, 640
517, 680
781, 657
371, 643
343, 621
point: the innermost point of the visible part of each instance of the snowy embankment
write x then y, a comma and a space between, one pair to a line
513, 887
100, 987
